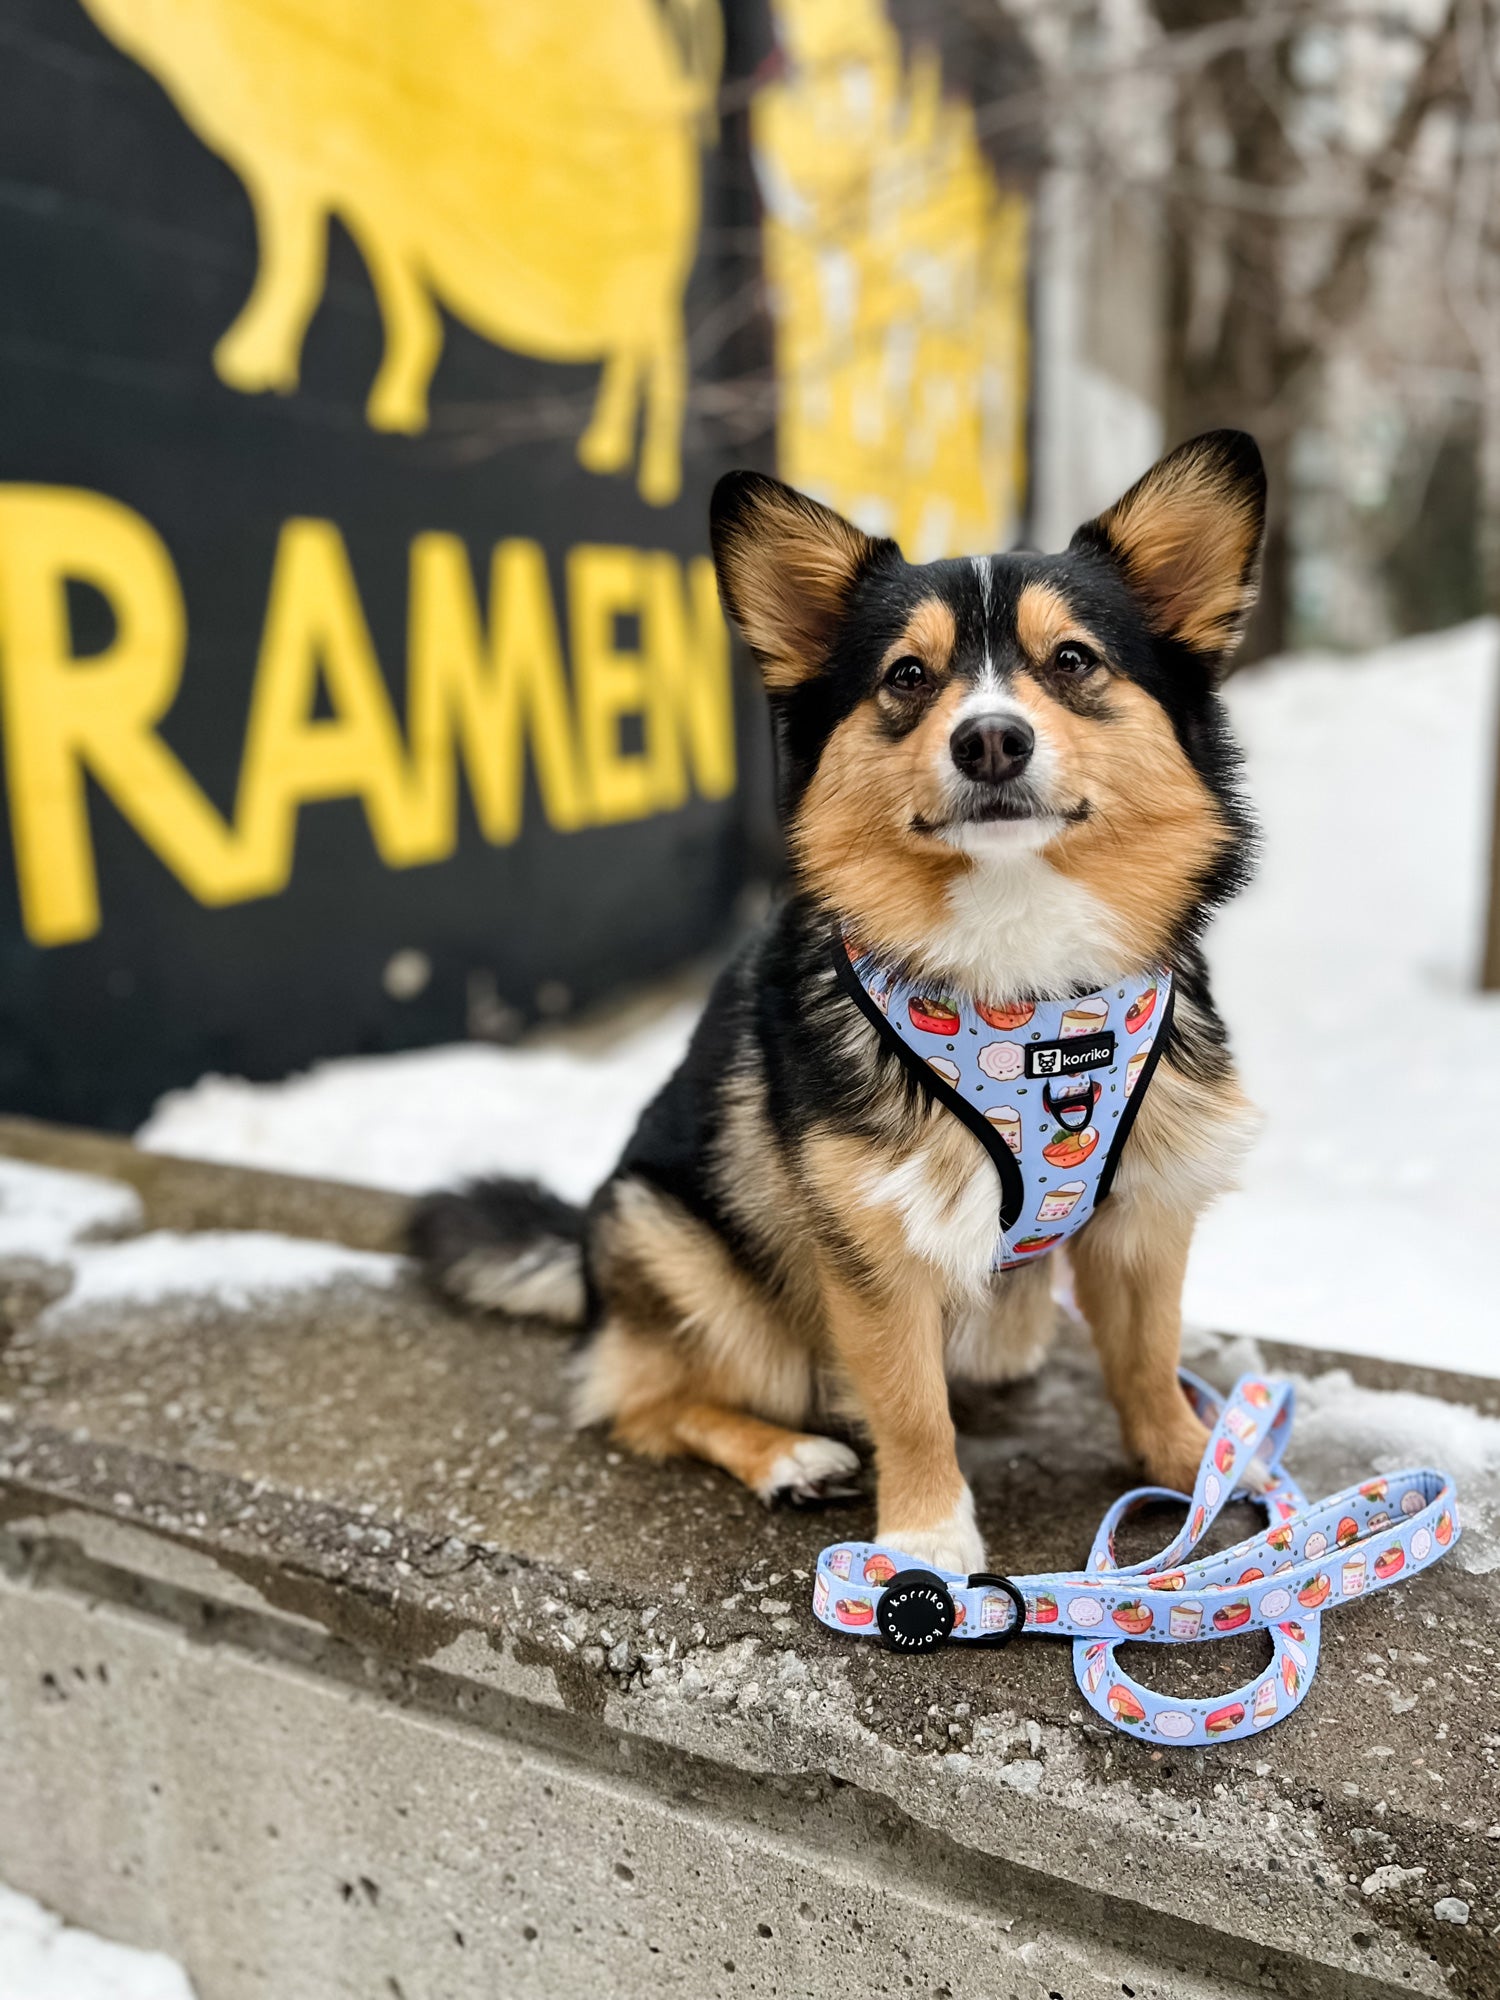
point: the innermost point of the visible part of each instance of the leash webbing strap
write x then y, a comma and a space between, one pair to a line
1307, 1560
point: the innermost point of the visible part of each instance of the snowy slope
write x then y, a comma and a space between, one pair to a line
1368, 1218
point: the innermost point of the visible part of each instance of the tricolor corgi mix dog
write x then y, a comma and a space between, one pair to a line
1008, 776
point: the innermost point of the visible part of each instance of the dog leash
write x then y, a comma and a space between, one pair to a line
1308, 1559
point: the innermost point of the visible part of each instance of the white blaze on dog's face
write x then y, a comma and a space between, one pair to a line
1015, 767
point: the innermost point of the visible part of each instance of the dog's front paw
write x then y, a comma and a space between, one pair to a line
954, 1544
813, 1470
1171, 1457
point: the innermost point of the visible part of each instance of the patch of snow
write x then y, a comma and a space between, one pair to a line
236, 1267
44, 1211
417, 1121
1344, 1432
1357, 1431
1367, 1219
42, 1958
59, 1217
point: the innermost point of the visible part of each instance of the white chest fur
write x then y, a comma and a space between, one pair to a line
946, 1196
1014, 927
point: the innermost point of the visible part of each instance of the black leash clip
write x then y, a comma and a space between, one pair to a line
916, 1612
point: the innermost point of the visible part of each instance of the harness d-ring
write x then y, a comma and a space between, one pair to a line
1073, 1113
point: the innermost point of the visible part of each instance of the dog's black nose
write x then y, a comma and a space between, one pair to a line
991, 748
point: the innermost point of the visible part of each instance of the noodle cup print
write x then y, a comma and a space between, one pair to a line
1007, 1122
1089, 1017
1086, 1611
1002, 1061
841, 1561
1060, 1201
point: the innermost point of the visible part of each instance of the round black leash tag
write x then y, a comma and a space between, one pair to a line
915, 1612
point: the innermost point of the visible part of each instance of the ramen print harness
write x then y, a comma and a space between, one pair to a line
1050, 1088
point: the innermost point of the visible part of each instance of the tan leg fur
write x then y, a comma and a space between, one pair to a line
1128, 1268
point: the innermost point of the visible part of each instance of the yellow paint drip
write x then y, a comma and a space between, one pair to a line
897, 266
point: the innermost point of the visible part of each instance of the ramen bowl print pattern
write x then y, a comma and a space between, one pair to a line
1355, 1543
1026, 1067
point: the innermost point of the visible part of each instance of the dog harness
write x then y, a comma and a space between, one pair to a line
1050, 1088
1307, 1560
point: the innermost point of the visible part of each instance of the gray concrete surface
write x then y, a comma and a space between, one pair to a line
334, 1663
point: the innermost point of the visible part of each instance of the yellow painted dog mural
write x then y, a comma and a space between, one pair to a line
532, 165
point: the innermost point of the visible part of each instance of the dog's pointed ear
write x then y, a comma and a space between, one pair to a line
787, 567
1187, 539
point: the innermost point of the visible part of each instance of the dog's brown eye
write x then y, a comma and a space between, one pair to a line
906, 674
1071, 659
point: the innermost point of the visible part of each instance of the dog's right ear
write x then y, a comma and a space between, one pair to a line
787, 566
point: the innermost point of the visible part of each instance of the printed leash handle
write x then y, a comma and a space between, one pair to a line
1308, 1559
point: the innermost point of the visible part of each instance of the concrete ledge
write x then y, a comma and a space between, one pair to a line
200, 1194
333, 1663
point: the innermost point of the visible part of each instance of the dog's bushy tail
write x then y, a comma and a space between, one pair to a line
504, 1246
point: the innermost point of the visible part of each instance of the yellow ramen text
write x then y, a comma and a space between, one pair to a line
486, 685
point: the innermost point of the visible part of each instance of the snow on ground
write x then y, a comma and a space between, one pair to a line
1367, 1220
1345, 1432
44, 1212
413, 1122
41, 1958
85, 1223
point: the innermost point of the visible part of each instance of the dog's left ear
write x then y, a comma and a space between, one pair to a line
1187, 540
